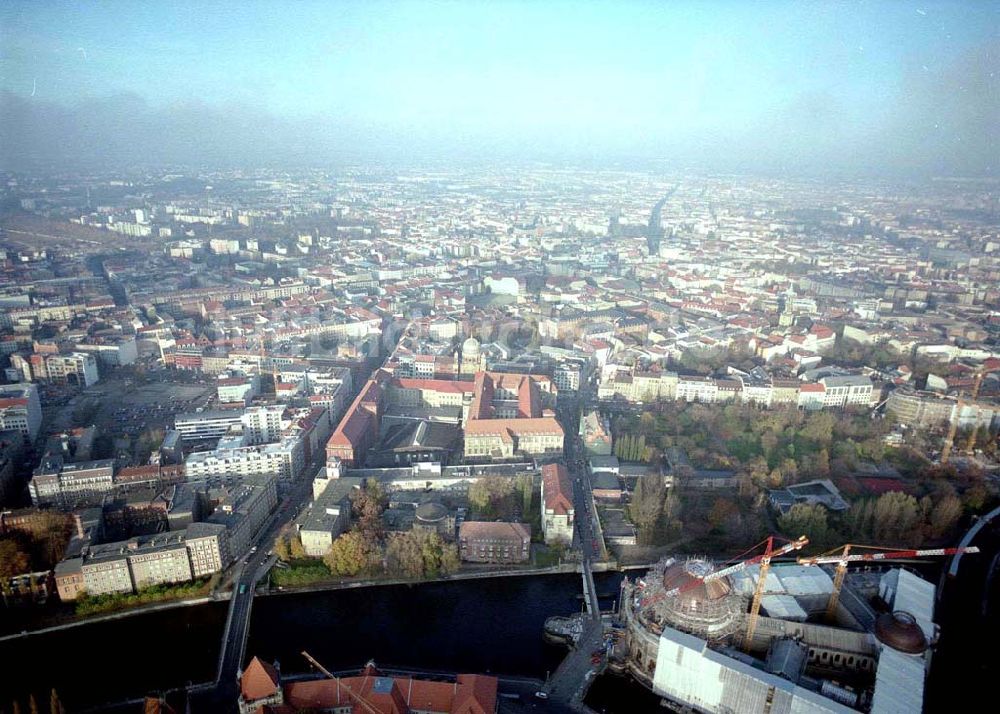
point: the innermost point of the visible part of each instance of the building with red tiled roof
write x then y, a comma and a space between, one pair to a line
260, 685
359, 427
367, 693
811, 395
558, 512
504, 414
500, 439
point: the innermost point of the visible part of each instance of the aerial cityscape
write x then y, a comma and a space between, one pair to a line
465, 410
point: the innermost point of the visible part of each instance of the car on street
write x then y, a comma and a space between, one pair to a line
541, 695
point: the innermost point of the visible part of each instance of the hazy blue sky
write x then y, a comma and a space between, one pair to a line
861, 85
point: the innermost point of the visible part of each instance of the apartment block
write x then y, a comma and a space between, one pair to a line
55, 482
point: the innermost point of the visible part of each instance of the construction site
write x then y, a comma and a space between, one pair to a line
801, 634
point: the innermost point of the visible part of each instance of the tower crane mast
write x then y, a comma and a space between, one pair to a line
970, 444
949, 441
758, 593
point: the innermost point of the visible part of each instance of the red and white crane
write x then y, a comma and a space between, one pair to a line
845, 556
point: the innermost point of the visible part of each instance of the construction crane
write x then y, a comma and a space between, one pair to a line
765, 566
949, 441
970, 445
843, 555
340, 682
764, 559
879, 406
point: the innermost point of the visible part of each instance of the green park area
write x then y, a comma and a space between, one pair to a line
775, 448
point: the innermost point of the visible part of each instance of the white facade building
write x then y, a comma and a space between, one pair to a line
21, 410
78, 367
263, 425
284, 459
196, 426
847, 391
697, 389
117, 353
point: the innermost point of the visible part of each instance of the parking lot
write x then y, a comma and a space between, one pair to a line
151, 405
119, 408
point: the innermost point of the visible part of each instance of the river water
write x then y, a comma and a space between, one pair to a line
113, 660
485, 626
489, 626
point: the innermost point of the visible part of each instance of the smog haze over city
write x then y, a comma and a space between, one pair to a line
868, 87
499, 357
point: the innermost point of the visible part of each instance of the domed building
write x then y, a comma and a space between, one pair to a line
472, 359
900, 631
433, 516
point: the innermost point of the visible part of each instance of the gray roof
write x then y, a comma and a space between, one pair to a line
604, 462
336, 492
204, 530
847, 381
234, 414
69, 566
420, 435
604, 480
431, 511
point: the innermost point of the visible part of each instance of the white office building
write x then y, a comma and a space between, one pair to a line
284, 459
21, 410
264, 424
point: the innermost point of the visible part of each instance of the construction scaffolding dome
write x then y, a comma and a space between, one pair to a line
675, 594
687, 578
900, 631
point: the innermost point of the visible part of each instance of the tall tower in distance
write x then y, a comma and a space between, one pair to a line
654, 231
787, 318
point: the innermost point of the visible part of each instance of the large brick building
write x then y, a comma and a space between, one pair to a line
504, 416
488, 542
500, 439
359, 427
